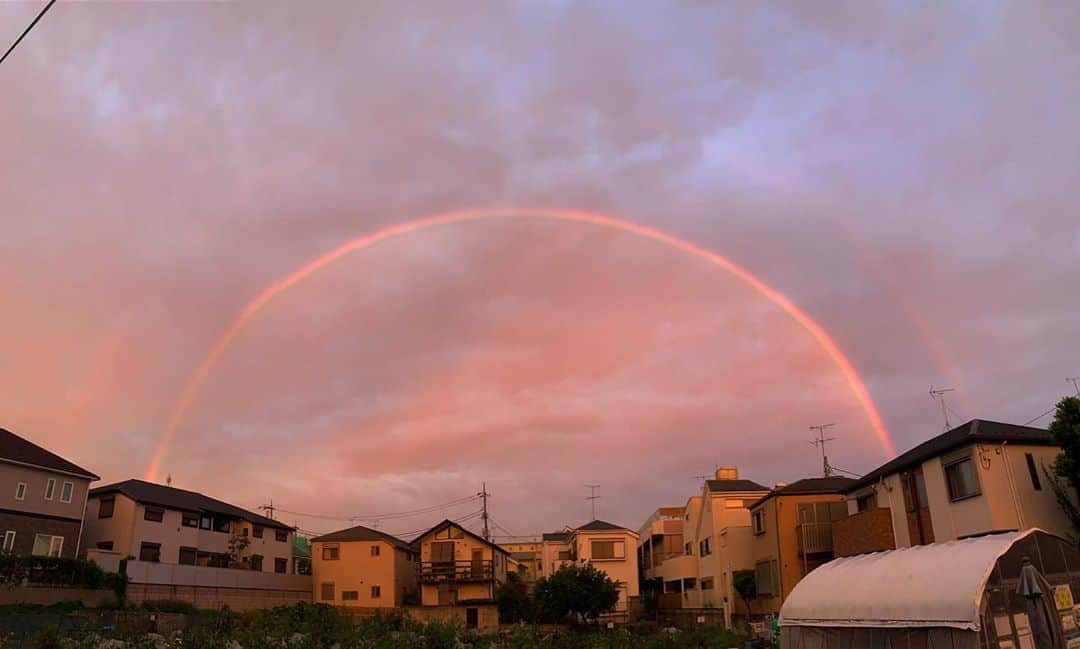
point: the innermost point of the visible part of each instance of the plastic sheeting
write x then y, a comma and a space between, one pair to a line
937, 585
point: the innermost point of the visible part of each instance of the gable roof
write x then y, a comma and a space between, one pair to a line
22, 451
151, 493
361, 533
449, 523
556, 536
809, 487
600, 526
717, 486
976, 430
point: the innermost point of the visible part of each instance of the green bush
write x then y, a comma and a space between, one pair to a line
54, 571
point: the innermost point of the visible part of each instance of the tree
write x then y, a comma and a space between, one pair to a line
745, 585
1065, 430
238, 543
513, 599
579, 591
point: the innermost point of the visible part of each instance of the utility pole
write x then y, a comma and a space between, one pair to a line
269, 509
819, 441
592, 497
1075, 380
483, 510
939, 394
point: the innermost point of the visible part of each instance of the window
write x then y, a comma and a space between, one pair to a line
189, 520
46, 545
150, 552
376, 592
707, 583
256, 562
765, 578
9, 541
375, 550
205, 522
350, 595
281, 566
188, 556
66, 491
564, 555
960, 476
442, 551
244, 532
50, 488
327, 594
221, 524
331, 552
705, 547
864, 502
608, 550
257, 531
689, 548
20, 491
154, 514
759, 522
104, 545
281, 535
1035, 483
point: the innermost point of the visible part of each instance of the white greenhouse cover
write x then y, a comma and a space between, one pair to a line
940, 584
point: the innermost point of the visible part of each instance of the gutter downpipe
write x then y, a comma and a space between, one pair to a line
1012, 487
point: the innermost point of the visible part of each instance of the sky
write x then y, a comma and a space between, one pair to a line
904, 173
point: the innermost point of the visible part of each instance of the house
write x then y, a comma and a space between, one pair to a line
660, 538
459, 573
43, 499
555, 551
978, 478
361, 567
158, 523
791, 534
528, 559
612, 549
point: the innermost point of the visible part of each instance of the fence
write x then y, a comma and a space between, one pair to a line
204, 587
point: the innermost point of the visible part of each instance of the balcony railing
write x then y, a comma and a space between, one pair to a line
867, 531
436, 571
815, 538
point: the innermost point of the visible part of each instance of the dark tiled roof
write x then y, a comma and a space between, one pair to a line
976, 430
599, 526
361, 533
415, 544
556, 536
734, 485
17, 449
808, 487
171, 498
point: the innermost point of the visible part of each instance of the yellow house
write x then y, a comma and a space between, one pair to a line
527, 559
362, 568
981, 477
555, 551
457, 566
612, 549
791, 534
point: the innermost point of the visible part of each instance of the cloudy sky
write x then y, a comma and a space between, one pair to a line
905, 173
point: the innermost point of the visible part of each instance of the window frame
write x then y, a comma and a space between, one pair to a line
187, 519
52, 541
69, 487
281, 536
9, 546
20, 491
757, 521
952, 465
376, 592
331, 549
257, 531
50, 488
107, 500
154, 514
283, 563
322, 591
376, 550
193, 552
106, 546
615, 545
350, 595
153, 547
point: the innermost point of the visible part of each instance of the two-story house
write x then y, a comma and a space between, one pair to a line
660, 538
981, 477
528, 558
555, 551
612, 549
159, 523
361, 567
791, 535
42, 499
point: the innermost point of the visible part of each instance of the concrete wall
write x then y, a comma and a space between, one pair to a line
487, 615
147, 572
357, 570
210, 597
91, 597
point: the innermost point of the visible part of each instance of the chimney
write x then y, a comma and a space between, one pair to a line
727, 473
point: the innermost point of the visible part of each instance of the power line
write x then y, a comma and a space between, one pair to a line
382, 517
27, 30
1032, 421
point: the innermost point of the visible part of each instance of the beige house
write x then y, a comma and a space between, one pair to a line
660, 539
981, 477
791, 534
527, 559
458, 566
158, 523
42, 499
362, 568
555, 551
612, 549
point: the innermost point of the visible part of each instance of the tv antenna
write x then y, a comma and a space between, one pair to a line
592, 497
820, 441
1075, 380
939, 394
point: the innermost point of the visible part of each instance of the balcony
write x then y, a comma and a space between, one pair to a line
867, 531
432, 572
815, 538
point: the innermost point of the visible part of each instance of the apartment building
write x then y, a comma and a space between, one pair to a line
159, 523
612, 549
42, 499
981, 477
362, 568
660, 538
791, 534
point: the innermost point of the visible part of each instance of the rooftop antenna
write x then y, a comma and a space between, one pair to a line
168, 480
269, 509
592, 497
1075, 380
819, 441
939, 394
700, 478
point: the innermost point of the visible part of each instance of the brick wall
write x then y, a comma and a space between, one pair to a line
868, 531
26, 526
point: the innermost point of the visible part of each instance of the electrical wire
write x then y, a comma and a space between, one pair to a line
1032, 421
27, 30
383, 517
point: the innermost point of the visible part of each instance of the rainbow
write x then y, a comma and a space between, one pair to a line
282, 284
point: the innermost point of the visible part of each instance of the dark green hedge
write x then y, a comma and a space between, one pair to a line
53, 571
